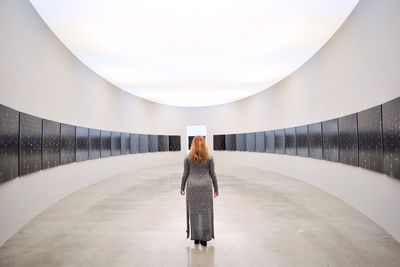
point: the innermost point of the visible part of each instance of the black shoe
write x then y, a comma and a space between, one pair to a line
203, 243
196, 242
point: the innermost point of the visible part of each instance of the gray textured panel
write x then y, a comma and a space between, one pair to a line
82, 144
174, 143
230, 142
219, 142
391, 137
51, 144
94, 144
115, 143
290, 141
330, 140
105, 144
260, 141
270, 141
125, 143
30, 157
315, 140
134, 141
163, 143
153, 143
302, 141
143, 143
241, 142
348, 139
251, 142
67, 145
370, 139
280, 141
9, 141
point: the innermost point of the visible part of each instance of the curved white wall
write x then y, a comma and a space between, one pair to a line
355, 70
39, 76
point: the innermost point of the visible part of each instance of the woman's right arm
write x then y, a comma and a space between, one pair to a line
185, 175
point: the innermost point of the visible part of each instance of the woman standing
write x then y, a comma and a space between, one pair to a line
200, 177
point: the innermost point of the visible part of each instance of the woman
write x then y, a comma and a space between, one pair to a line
200, 176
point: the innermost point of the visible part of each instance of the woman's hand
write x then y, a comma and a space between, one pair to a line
182, 192
216, 194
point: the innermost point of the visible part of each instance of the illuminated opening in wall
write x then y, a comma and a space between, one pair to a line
194, 130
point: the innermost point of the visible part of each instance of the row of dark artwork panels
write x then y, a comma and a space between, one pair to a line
369, 139
29, 144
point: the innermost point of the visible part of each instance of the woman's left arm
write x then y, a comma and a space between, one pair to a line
186, 170
213, 176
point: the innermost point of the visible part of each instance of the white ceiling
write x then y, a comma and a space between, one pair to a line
194, 53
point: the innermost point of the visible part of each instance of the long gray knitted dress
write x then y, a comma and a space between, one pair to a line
200, 178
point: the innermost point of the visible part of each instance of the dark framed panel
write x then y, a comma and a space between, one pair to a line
115, 143
9, 142
251, 142
82, 144
270, 141
174, 143
370, 138
153, 143
348, 139
143, 143
391, 137
260, 141
94, 144
134, 143
241, 142
230, 142
125, 143
67, 144
51, 140
190, 140
302, 141
105, 144
30, 144
330, 140
163, 143
315, 140
290, 141
280, 141
219, 142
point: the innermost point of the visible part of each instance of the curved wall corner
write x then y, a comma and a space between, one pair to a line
41, 77
356, 69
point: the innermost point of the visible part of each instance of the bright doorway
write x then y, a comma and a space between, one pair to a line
194, 130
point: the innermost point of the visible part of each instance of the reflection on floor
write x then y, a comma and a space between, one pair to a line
261, 219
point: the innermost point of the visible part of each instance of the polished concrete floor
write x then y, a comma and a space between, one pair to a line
261, 219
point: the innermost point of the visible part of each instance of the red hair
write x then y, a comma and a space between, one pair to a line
198, 150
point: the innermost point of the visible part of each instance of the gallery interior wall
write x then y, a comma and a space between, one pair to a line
355, 70
41, 77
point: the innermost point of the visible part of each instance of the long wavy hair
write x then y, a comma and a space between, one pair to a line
198, 150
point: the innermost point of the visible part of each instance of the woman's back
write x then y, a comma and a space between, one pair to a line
199, 179
199, 167
194, 170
